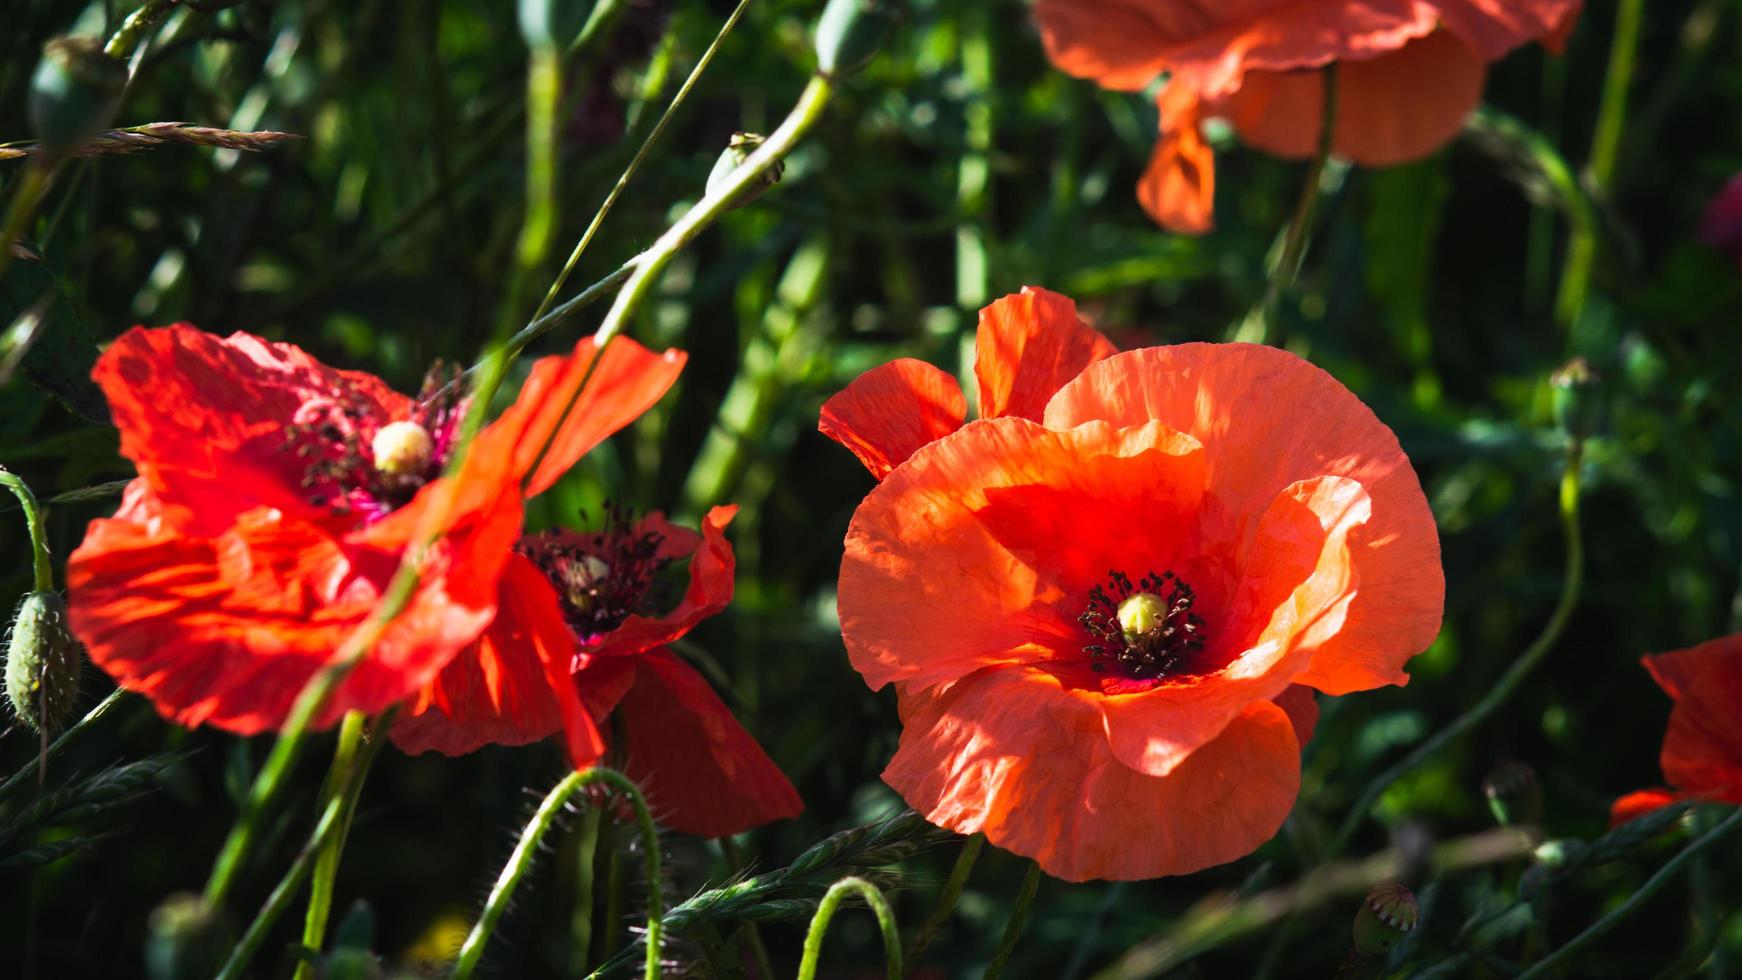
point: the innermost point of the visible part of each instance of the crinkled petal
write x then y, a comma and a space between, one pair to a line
1702, 753
512, 687
1495, 27
1178, 188
710, 590
227, 630
972, 553
891, 410
204, 418
1266, 420
700, 771
1015, 754
1028, 346
1400, 106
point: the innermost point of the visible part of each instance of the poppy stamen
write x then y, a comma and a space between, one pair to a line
1146, 630
603, 577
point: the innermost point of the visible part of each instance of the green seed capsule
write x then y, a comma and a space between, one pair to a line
1578, 398
74, 92
1388, 914
737, 151
185, 939
851, 32
43, 662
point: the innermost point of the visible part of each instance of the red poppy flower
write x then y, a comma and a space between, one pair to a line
1104, 620
1721, 224
701, 772
275, 499
1702, 751
1409, 71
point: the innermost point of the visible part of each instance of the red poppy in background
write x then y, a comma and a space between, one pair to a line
700, 771
1721, 225
275, 499
1409, 72
1105, 606
1702, 751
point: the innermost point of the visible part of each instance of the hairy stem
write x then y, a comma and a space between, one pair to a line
1017, 923
42, 571
837, 893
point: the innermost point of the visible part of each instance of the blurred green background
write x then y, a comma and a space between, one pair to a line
957, 168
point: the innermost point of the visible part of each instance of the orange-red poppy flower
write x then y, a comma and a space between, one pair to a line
1105, 605
275, 499
1409, 72
700, 771
1702, 752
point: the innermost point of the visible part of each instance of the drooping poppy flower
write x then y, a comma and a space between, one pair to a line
275, 499
1105, 619
1702, 751
700, 771
1721, 224
1409, 72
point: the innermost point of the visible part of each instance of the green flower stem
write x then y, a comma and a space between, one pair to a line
946, 906
332, 825
1013, 928
134, 28
55, 747
40, 567
1605, 149
837, 893
544, 80
1550, 965
340, 786
524, 851
640, 155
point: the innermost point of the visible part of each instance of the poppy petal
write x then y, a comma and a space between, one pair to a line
1400, 106
1120, 44
227, 630
1178, 188
1495, 27
700, 771
710, 590
1268, 419
970, 555
512, 687
1028, 346
204, 418
892, 410
1677, 670
1014, 754
1302, 707
1636, 805
1702, 753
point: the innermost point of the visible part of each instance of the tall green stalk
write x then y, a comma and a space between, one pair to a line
343, 787
832, 899
1015, 925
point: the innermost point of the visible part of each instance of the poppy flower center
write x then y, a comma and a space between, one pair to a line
357, 463
1144, 631
603, 577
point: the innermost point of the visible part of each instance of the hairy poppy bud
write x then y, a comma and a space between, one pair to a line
851, 32
1388, 913
185, 939
402, 448
553, 22
737, 151
42, 663
74, 92
1514, 794
1578, 398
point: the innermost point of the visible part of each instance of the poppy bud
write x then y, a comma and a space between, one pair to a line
553, 23
1388, 913
42, 663
74, 92
737, 151
1140, 614
1578, 398
1514, 794
185, 939
402, 448
851, 32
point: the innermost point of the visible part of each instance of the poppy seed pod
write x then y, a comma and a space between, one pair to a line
185, 939
74, 92
1578, 398
736, 153
1388, 913
42, 663
553, 22
851, 32
1514, 794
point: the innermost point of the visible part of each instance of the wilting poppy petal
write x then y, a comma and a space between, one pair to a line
1015, 754
1400, 106
1267, 419
710, 590
701, 772
1495, 27
1178, 188
892, 410
512, 687
943, 574
1636, 805
1028, 345
204, 419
